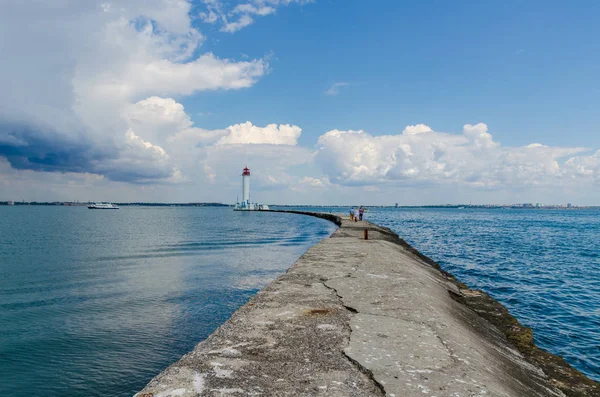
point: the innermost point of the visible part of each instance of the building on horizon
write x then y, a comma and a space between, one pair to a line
246, 204
10, 202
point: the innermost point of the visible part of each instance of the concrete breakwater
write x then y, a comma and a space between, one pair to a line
355, 317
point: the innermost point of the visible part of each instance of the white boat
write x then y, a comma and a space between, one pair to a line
103, 206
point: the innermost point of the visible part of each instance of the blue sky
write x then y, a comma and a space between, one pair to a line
528, 69
422, 102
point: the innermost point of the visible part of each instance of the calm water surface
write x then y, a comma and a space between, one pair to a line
98, 302
543, 265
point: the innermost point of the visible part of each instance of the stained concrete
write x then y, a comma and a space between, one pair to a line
355, 317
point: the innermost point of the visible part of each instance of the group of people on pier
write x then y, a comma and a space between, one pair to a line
356, 214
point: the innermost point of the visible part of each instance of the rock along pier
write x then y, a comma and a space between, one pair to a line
356, 317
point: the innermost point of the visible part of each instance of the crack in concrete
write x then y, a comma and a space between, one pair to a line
367, 372
357, 364
452, 354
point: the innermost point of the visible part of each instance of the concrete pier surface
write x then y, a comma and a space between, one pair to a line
355, 317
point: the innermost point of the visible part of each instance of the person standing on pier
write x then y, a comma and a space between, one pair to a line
351, 214
356, 215
361, 211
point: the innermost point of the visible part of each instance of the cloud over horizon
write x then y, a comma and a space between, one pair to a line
421, 156
93, 92
74, 108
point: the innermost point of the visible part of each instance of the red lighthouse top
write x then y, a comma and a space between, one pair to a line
246, 171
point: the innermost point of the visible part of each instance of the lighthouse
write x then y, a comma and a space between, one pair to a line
246, 187
246, 204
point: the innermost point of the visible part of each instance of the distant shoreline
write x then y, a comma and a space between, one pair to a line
138, 204
454, 206
442, 206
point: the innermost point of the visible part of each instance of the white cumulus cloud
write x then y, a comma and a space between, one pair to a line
247, 133
422, 156
416, 129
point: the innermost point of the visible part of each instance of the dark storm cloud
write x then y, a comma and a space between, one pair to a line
39, 149
138, 176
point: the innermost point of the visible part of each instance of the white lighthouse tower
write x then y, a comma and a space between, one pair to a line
246, 187
246, 204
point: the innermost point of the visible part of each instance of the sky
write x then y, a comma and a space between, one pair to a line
328, 102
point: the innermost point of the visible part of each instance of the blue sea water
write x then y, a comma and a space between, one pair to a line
543, 265
98, 302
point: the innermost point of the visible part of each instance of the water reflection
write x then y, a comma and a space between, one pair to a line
98, 302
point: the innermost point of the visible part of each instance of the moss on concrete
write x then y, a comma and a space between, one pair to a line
568, 379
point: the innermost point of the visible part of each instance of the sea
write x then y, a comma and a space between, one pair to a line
99, 302
541, 264
96, 303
